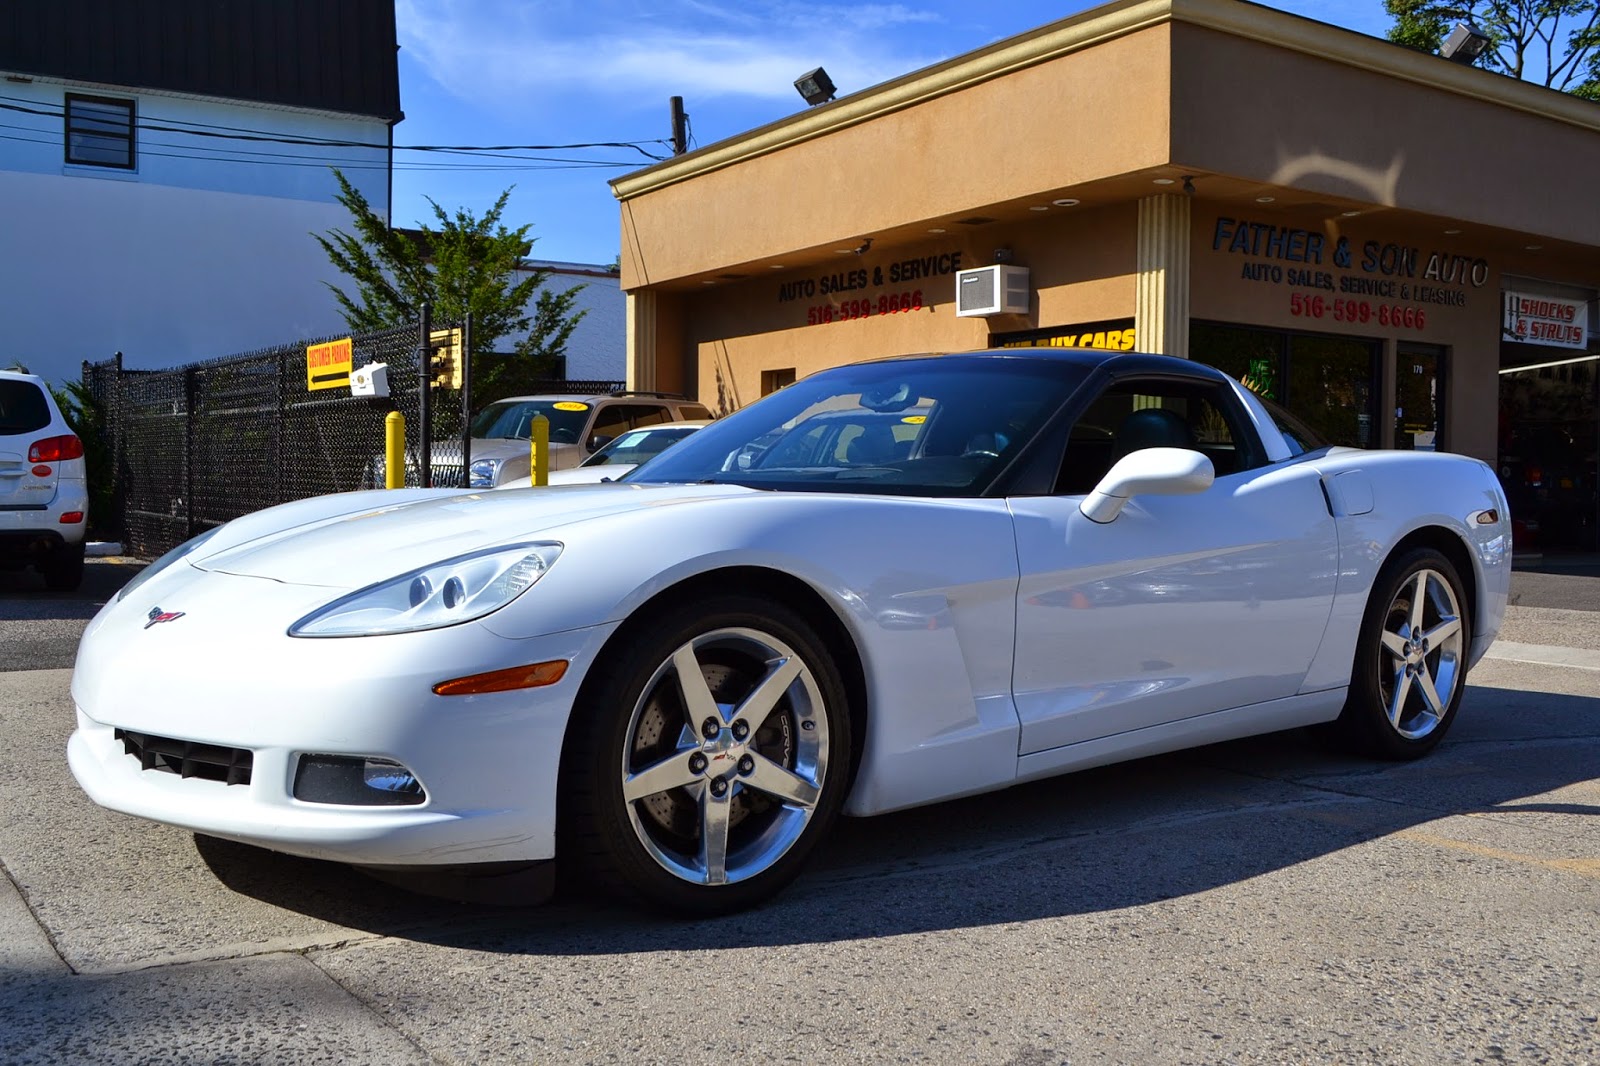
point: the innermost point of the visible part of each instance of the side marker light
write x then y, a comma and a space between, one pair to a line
535, 675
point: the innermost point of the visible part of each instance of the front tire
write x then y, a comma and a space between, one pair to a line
1411, 658
709, 758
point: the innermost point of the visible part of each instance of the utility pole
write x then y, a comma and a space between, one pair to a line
680, 127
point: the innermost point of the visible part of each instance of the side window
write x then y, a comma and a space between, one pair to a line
690, 411
611, 421
616, 419
1300, 437
1132, 415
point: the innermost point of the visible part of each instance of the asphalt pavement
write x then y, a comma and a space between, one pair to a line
1264, 901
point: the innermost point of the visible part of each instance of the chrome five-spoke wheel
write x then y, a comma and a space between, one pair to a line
1411, 658
710, 755
1421, 654
726, 756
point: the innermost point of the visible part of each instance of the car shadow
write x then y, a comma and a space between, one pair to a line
1095, 841
102, 578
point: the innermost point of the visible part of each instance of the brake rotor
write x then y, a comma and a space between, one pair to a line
663, 728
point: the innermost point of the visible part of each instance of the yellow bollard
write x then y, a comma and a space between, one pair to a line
539, 450
394, 450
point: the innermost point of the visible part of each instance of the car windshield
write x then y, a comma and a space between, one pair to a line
513, 419
933, 426
637, 445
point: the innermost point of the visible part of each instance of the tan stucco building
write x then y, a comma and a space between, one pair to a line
1403, 250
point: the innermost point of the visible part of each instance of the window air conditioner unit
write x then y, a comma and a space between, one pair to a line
992, 290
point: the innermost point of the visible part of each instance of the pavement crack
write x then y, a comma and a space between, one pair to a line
368, 1005
227, 953
49, 934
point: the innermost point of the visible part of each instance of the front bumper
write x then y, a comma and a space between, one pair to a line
217, 676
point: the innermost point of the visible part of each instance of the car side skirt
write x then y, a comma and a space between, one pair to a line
1288, 713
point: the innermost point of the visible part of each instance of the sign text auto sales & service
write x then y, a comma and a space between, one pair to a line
848, 295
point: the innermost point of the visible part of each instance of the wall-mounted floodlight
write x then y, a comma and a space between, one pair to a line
815, 86
1464, 45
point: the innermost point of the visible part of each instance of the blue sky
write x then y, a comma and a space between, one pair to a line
557, 72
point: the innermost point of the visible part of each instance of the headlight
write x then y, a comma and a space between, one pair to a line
167, 560
444, 594
483, 473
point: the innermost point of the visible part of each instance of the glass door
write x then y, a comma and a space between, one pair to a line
1419, 397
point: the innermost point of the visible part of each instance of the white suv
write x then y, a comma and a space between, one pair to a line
44, 493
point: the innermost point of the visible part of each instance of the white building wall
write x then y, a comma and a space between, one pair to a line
597, 350
203, 250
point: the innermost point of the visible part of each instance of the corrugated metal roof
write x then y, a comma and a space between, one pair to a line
330, 55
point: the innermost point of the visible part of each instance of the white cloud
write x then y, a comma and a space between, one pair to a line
615, 49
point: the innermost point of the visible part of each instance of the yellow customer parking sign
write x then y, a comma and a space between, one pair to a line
328, 365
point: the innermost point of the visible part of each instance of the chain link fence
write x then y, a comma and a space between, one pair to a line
198, 445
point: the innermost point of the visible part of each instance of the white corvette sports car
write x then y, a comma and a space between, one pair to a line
889, 584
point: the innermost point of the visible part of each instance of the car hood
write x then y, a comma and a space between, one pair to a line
357, 548
575, 475
507, 448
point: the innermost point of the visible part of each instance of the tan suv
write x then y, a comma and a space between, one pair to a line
579, 425
44, 496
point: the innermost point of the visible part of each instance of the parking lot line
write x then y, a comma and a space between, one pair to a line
1582, 867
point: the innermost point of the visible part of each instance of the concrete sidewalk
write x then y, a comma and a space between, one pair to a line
1549, 636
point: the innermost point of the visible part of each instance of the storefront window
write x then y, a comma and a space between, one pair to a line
1329, 382
1549, 436
1253, 356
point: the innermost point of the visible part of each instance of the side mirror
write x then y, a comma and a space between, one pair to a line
598, 441
1147, 472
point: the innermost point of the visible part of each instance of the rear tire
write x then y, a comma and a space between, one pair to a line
707, 759
63, 571
1411, 659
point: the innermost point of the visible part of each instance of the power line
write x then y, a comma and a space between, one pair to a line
352, 165
51, 111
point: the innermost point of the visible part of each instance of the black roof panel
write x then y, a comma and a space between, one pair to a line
330, 55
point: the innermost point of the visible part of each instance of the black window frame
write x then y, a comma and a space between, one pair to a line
68, 131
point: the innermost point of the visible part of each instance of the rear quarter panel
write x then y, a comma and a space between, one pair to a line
1409, 491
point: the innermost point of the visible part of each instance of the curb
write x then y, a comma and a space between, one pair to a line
1544, 655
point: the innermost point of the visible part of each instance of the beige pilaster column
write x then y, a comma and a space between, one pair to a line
1161, 308
642, 339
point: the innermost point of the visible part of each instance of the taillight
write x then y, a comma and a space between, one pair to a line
55, 449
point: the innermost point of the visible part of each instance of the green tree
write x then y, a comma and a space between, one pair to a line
87, 417
463, 264
1556, 42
